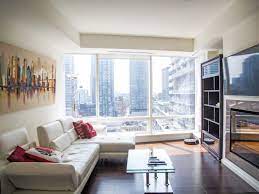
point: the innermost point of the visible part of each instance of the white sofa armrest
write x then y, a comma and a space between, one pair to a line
41, 176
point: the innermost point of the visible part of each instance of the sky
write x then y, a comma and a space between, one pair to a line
121, 72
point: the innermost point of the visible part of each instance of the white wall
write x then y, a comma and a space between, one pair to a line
236, 12
241, 36
37, 27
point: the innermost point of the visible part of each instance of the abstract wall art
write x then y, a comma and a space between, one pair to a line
27, 80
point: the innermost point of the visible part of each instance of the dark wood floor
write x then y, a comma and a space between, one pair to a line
197, 172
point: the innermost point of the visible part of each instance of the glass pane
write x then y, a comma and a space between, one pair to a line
80, 83
119, 126
160, 75
123, 87
139, 81
173, 124
173, 93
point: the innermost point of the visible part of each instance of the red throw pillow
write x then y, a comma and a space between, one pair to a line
88, 130
93, 131
45, 149
79, 129
18, 155
77, 123
42, 154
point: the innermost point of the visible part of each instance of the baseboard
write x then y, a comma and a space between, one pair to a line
241, 173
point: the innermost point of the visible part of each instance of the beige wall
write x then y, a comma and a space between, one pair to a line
136, 42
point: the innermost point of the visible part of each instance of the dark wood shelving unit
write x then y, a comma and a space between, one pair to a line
212, 106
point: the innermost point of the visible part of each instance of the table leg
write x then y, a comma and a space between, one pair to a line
147, 179
166, 179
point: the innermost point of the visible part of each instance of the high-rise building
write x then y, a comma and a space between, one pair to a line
138, 87
82, 95
165, 83
93, 79
182, 90
106, 87
70, 83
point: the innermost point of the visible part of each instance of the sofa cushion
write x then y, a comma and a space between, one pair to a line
110, 143
72, 134
67, 123
9, 140
49, 132
61, 143
82, 157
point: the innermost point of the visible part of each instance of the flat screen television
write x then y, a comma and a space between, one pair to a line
241, 73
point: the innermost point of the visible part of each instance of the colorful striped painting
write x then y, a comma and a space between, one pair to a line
27, 80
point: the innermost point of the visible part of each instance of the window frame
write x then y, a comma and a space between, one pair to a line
149, 117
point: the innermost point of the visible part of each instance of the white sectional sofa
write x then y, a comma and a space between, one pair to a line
70, 176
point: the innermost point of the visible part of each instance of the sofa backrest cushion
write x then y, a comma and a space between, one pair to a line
61, 143
9, 140
72, 134
67, 123
49, 132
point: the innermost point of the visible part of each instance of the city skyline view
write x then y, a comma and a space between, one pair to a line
123, 90
121, 67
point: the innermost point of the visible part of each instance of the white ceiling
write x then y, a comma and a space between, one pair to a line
169, 18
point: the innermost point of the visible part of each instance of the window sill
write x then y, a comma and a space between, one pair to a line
157, 137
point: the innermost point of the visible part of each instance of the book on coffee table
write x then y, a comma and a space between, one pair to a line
153, 160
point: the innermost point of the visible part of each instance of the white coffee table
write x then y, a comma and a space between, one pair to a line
138, 163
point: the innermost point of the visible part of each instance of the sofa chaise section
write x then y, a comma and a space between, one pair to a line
110, 146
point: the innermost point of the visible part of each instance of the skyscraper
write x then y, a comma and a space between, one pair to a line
106, 87
70, 83
138, 86
93, 79
165, 83
82, 95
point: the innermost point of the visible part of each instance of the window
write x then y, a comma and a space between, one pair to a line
123, 86
80, 85
173, 93
131, 93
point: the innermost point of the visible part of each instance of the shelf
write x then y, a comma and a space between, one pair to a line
212, 100
211, 121
211, 75
210, 135
210, 90
213, 106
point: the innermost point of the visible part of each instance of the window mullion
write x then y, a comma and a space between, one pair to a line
150, 96
97, 87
